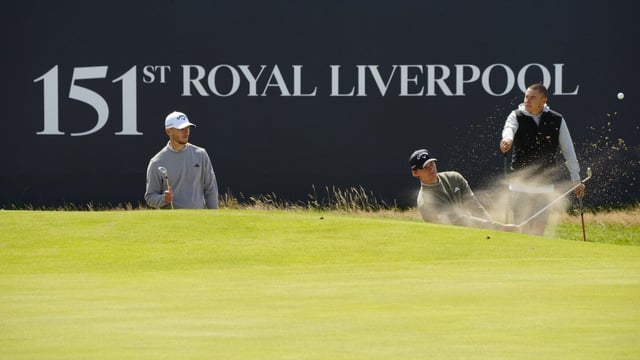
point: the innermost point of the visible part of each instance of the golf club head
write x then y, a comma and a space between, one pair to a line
589, 173
163, 170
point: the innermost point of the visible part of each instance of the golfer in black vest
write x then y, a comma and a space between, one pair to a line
536, 133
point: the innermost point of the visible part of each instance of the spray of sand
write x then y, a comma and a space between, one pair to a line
517, 196
600, 144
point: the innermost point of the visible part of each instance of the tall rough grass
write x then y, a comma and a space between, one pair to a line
628, 215
353, 199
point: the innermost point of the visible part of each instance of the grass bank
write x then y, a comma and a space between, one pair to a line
244, 284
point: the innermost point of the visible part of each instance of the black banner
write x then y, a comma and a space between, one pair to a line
289, 96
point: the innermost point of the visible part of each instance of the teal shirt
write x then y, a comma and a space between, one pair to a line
191, 177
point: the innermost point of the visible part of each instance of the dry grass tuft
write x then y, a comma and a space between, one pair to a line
629, 216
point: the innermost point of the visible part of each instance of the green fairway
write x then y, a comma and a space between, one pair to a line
249, 284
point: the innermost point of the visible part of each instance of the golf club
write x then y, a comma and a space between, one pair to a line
584, 234
558, 198
163, 170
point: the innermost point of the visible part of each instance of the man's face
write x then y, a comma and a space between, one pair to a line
428, 174
180, 136
534, 101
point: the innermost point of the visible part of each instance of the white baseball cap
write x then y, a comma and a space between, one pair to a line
177, 120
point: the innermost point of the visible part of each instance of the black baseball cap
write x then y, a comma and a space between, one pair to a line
420, 158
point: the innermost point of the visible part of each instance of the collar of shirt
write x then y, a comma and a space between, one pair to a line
174, 150
431, 185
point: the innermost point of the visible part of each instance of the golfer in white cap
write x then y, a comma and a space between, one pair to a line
446, 197
181, 174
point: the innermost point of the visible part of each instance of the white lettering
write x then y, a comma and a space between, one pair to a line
486, 85
405, 80
460, 80
382, 85
253, 81
432, 80
335, 82
297, 82
148, 76
362, 83
558, 88
522, 76
129, 102
51, 113
90, 97
413, 80
149, 73
280, 83
235, 77
186, 80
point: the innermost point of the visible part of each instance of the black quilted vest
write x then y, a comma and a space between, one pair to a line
536, 145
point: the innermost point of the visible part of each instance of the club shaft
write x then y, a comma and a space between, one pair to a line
506, 175
584, 233
166, 179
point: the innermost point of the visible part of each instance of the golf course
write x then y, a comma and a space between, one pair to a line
277, 284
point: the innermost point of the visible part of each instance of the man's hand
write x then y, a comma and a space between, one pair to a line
168, 196
505, 145
579, 191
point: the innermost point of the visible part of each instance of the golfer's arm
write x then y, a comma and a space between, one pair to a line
209, 184
211, 195
510, 127
568, 151
154, 194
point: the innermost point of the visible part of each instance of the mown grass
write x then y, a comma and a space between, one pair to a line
275, 284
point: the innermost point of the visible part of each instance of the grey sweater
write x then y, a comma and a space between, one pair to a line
452, 202
190, 175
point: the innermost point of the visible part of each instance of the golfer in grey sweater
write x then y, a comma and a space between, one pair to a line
446, 197
188, 181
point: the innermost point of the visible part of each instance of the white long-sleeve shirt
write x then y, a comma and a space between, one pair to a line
564, 138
